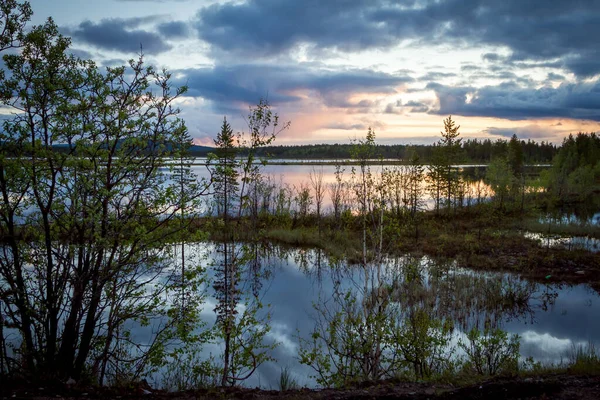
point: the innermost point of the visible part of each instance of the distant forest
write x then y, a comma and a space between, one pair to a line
473, 151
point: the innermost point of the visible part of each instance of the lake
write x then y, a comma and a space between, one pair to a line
293, 177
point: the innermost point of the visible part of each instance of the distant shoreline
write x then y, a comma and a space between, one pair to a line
386, 162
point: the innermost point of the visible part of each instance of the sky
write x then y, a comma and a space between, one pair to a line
334, 68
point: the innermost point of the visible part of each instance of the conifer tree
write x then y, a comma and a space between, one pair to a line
450, 147
225, 173
442, 175
515, 155
242, 332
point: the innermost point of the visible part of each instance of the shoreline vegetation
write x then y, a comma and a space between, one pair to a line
336, 162
98, 202
475, 151
480, 238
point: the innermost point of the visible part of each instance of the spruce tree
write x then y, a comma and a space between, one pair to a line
225, 173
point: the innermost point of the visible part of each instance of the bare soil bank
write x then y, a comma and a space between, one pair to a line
551, 386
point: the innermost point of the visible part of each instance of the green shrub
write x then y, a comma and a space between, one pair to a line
491, 352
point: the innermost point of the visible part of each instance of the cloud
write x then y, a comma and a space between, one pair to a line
545, 346
119, 34
83, 54
560, 31
417, 107
114, 62
267, 27
525, 132
135, 22
437, 75
346, 126
226, 84
174, 29
411, 106
511, 101
363, 125
204, 140
584, 64
282, 334
394, 108
470, 67
492, 57
231, 84
151, 1
555, 77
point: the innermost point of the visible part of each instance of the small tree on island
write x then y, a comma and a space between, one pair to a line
450, 145
443, 177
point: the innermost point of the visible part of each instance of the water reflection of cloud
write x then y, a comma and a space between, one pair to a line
548, 335
208, 310
280, 333
544, 344
548, 349
293, 177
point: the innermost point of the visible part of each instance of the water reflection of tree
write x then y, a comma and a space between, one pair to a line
241, 324
403, 321
468, 298
360, 333
442, 288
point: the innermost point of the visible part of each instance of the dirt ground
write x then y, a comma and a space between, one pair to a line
556, 386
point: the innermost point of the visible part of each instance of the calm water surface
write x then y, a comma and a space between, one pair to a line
549, 318
294, 177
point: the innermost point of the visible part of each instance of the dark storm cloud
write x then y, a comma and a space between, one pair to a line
118, 34
263, 27
282, 84
511, 101
585, 65
174, 29
549, 30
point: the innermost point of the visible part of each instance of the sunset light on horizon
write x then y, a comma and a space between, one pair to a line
336, 68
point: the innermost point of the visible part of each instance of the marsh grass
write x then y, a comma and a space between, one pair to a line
337, 244
286, 381
479, 237
584, 359
580, 359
